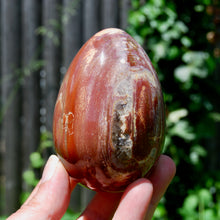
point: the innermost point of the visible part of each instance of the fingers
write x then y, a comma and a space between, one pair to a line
160, 177
135, 201
102, 206
133, 204
50, 198
139, 200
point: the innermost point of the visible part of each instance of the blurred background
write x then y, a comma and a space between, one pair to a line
39, 39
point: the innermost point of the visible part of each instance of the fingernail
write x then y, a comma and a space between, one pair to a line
49, 168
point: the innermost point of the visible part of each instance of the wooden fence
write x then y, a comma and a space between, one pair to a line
39, 38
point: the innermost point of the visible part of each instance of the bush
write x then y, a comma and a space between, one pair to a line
174, 36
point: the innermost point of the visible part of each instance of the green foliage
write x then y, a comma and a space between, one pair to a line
201, 204
46, 141
161, 212
173, 33
51, 31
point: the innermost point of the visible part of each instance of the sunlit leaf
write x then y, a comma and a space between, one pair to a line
136, 17
36, 160
173, 52
205, 196
183, 73
215, 116
160, 50
186, 41
196, 58
160, 211
29, 178
182, 130
176, 115
180, 27
199, 8
199, 150
209, 214
191, 202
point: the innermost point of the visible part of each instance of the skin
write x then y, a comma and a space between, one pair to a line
138, 201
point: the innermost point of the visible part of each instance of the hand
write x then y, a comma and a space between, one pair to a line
50, 198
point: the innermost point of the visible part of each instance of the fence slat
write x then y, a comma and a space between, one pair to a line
31, 88
109, 13
91, 18
51, 55
125, 6
10, 83
71, 30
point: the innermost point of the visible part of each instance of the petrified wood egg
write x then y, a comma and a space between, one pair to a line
109, 116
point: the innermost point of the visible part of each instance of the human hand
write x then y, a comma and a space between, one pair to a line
50, 198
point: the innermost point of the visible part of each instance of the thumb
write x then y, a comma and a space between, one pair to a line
50, 198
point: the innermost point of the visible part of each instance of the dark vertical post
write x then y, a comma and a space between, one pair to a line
51, 55
91, 18
72, 29
109, 13
31, 88
124, 9
10, 111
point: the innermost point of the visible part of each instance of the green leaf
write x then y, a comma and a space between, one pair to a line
173, 52
199, 8
186, 41
191, 202
209, 214
215, 116
170, 35
36, 160
158, 3
183, 73
151, 11
205, 197
46, 140
160, 211
136, 17
46, 144
167, 142
196, 58
194, 158
180, 27
70, 215
160, 50
24, 196
199, 150
29, 178
176, 115
183, 130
